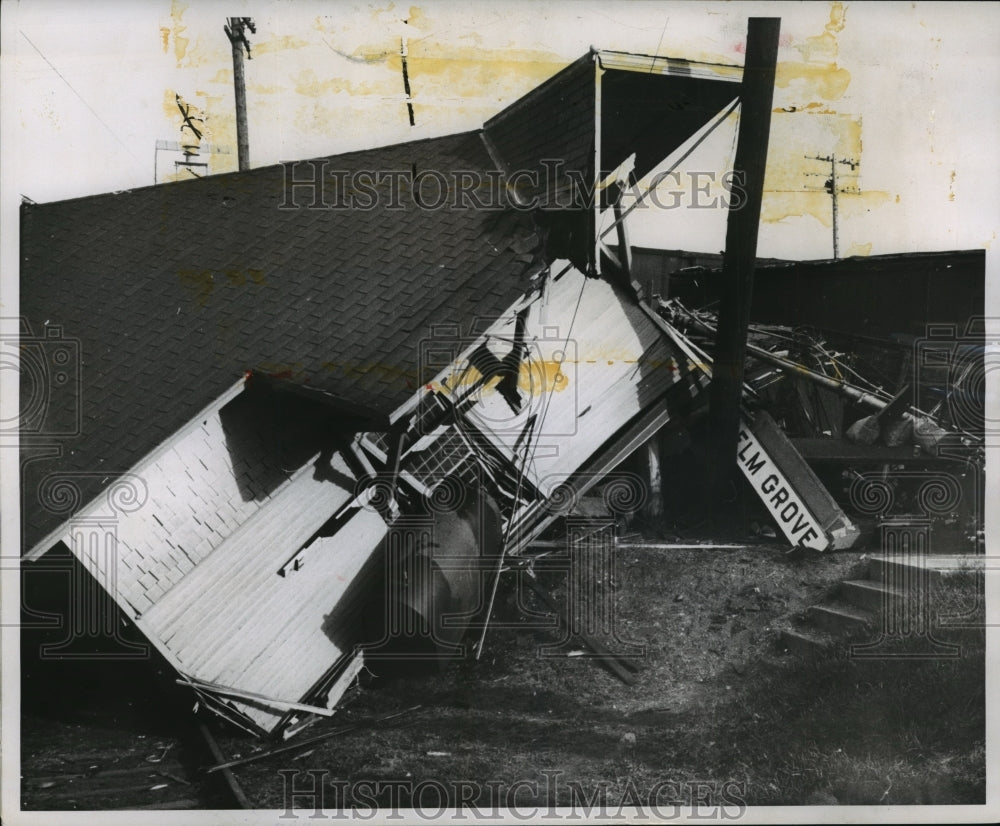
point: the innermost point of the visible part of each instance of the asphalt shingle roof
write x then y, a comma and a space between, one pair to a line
145, 306
173, 291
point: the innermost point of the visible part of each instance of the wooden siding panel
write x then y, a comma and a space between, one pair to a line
236, 622
195, 501
616, 363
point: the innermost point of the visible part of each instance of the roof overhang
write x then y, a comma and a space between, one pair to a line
608, 115
662, 65
102, 504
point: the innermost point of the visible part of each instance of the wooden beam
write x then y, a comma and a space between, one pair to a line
725, 394
351, 727
230, 778
261, 698
595, 191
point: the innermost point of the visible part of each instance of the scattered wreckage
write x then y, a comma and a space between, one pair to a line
267, 584
249, 569
491, 451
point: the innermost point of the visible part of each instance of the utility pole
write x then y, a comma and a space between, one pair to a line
236, 32
833, 193
403, 52
739, 260
834, 190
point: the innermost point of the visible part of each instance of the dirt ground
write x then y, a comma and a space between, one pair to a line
696, 620
717, 713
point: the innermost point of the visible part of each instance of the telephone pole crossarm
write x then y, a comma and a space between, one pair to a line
834, 189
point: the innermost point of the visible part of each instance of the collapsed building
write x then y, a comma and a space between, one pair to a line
874, 369
285, 436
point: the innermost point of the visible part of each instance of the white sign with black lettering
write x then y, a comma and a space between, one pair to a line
774, 490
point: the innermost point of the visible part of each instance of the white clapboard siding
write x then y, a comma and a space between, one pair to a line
235, 621
197, 563
615, 362
193, 503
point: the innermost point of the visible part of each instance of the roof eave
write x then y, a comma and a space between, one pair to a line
664, 65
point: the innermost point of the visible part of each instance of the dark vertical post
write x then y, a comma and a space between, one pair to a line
406, 81
236, 32
242, 140
833, 192
740, 255
593, 237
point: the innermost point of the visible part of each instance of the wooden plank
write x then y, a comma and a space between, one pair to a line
318, 738
227, 691
115, 791
236, 622
234, 786
680, 546
299, 509
182, 803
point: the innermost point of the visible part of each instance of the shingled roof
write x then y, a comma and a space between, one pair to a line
174, 291
170, 293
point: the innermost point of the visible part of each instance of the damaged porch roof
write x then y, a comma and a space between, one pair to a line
635, 103
163, 296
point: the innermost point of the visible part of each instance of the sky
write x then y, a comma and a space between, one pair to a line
910, 92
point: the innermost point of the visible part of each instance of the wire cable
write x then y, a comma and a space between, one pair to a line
84, 102
534, 437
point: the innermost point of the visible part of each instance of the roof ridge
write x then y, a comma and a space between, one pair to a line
190, 183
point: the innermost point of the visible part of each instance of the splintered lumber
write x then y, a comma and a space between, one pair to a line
252, 695
867, 429
326, 735
855, 394
927, 431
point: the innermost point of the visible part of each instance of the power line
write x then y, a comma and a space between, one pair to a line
660, 41
84, 102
